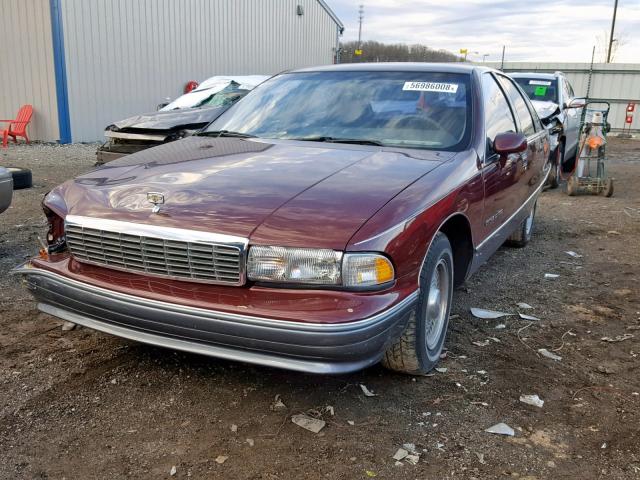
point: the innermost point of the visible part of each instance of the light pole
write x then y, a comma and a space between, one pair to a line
465, 52
360, 18
484, 57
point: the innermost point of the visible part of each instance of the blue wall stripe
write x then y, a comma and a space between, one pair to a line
57, 34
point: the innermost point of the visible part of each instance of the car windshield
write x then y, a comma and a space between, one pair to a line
539, 88
228, 96
209, 97
426, 110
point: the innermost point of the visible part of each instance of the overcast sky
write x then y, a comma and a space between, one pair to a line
558, 30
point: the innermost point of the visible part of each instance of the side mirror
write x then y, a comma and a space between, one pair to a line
509, 142
577, 103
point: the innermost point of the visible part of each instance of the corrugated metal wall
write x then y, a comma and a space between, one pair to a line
124, 57
26, 65
617, 82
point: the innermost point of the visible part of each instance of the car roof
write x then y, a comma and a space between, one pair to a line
395, 67
544, 76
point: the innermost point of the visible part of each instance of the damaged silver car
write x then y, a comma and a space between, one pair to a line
560, 111
181, 118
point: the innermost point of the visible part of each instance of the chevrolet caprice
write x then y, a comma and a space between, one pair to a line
321, 224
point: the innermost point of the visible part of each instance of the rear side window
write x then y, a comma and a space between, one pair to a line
522, 110
498, 116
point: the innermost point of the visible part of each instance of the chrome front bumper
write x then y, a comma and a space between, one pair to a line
305, 347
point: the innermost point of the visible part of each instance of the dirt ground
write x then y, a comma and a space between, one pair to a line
84, 405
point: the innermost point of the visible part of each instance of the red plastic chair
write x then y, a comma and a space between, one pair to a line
17, 127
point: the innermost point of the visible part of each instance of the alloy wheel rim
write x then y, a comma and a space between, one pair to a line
437, 303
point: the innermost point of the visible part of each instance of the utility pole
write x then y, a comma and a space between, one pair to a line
613, 26
502, 61
360, 18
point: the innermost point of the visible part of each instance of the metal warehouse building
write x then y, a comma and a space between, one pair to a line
84, 64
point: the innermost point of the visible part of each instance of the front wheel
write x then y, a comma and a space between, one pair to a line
418, 349
556, 167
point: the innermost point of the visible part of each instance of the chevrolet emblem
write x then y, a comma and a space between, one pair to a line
157, 199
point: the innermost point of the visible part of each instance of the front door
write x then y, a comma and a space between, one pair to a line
573, 116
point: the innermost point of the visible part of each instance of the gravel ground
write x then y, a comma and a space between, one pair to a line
82, 404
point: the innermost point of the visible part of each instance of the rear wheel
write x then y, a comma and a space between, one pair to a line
572, 186
418, 350
522, 236
608, 187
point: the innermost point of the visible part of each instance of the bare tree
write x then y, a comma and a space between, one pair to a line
373, 51
602, 45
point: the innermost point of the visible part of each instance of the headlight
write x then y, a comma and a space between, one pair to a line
294, 265
318, 267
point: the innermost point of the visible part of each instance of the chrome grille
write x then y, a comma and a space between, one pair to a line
163, 251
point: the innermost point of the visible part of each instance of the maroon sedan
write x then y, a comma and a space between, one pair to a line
320, 224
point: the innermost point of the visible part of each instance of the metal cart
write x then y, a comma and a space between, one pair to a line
590, 173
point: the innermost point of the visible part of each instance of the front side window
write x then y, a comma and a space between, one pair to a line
567, 91
522, 110
497, 113
425, 110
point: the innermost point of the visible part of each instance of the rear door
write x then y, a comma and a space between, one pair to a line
500, 180
533, 161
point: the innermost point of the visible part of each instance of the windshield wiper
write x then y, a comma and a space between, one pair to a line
357, 141
226, 133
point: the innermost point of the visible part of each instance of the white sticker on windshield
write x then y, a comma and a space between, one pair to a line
431, 87
546, 83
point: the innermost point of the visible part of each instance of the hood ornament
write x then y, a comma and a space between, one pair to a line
157, 199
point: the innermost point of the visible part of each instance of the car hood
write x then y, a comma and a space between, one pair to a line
280, 192
545, 109
170, 119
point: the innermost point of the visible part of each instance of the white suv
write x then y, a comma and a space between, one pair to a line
554, 88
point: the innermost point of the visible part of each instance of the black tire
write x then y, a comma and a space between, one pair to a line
555, 174
418, 349
572, 186
21, 177
608, 187
522, 236
568, 164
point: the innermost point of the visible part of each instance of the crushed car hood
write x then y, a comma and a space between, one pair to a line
279, 192
545, 109
169, 119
